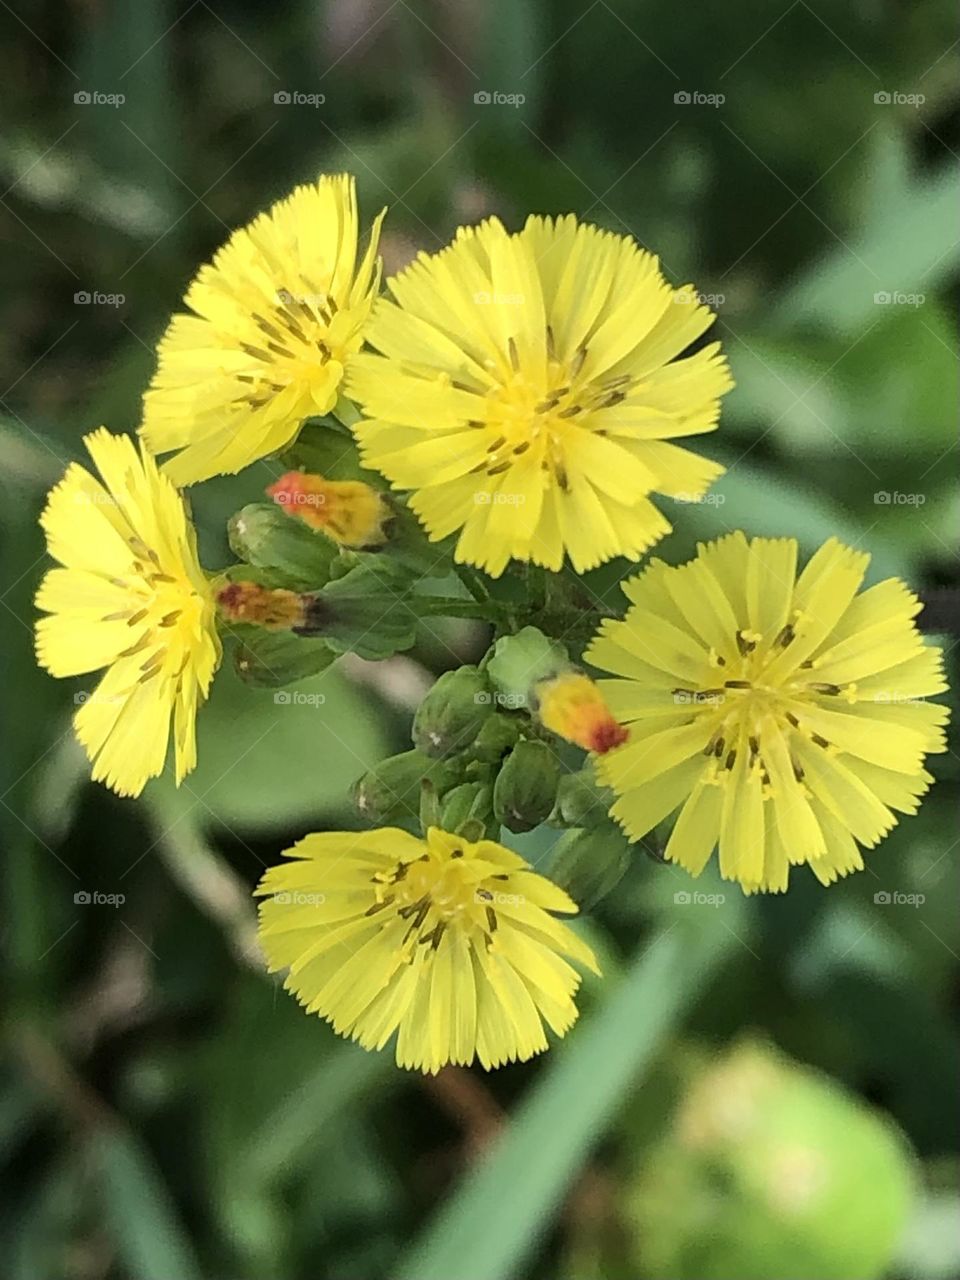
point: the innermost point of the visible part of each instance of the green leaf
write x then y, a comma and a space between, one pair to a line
139, 1212
506, 1202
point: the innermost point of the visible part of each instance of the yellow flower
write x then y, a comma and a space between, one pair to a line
449, 942
527, 387
572, 706
130, 597
276, 317
349, 512
782, 717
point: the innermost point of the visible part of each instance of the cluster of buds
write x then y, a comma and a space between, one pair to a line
492, 750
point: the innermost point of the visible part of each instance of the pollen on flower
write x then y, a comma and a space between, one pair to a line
351, 513
572, 706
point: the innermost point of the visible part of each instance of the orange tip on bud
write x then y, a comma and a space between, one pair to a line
572, 706
273, 609
349, 512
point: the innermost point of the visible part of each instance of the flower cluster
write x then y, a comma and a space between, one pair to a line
512, 407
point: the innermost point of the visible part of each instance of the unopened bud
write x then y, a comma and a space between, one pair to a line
581, 800
263, 536
498, 734
452, 713
526, 787
572, 706
273, 608
590, 864
351, 513
470, 802
520, 662
391, 791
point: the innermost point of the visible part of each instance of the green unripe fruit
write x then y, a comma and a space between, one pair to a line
526, 787
589, 864
771, 1170
391, 791
452, 713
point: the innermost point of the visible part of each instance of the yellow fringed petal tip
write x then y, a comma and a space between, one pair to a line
781, 718
452, 944
527, 387
130, 597
276, 318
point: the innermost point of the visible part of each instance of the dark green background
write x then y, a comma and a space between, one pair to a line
168, 1112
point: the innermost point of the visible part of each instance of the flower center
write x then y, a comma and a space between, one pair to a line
293, 344
432, 894
750, 703
532, 410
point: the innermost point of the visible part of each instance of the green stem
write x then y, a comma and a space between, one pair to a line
473, 581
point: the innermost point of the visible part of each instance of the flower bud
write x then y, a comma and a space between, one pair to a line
782, 1170
572, 706
263, 536
589, 864
271, 659
391, 791
274, 608
581, 800
526, 787
349, 512
498, 734
521, 661
470, 802
452, 713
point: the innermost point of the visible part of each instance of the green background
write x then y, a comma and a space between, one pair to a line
168, 1112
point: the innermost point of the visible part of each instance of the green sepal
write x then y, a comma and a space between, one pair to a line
452, 713
581, 800
272, 659
520, 662
390, 792
589, 864
526, 787
364, 612
264, 536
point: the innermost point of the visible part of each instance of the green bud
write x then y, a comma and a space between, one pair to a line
452, 713
469, 802
520, 662
771, 1169
391, 791
263, 535
498, 734
526, 787
271, 659
589, 864
581, 800
349, 613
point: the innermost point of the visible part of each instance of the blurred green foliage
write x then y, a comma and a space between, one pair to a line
167, 1111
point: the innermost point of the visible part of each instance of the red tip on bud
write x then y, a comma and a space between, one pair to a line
349, 512
572, 707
